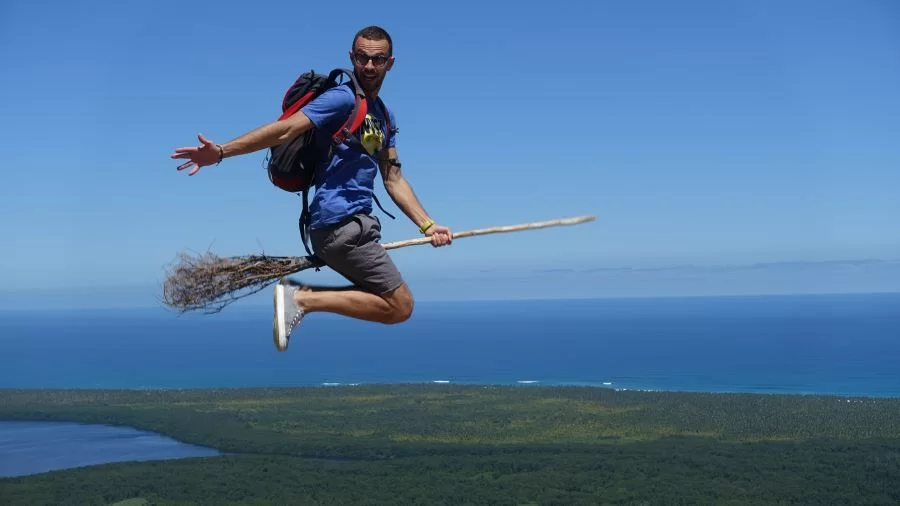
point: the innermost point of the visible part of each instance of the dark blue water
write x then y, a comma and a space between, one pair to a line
37, 447
836, 344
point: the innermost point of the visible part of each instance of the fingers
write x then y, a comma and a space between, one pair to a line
189, 164
441, 238
187, 151
186, 165
196, 155
184, 152
446, 236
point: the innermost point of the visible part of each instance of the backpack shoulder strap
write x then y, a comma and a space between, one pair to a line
391, 129
360, 108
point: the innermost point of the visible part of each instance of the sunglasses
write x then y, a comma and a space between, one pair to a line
377, 60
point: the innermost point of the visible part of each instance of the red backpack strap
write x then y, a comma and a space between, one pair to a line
297, 105
360, 109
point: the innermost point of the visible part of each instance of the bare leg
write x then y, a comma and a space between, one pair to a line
393, 307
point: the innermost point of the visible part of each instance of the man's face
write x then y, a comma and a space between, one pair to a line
371, 62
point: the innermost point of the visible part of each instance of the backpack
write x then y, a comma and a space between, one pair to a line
291, 166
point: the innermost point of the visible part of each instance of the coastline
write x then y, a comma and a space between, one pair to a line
616, 386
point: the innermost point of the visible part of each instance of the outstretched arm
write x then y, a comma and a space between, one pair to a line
273, 134
402, 194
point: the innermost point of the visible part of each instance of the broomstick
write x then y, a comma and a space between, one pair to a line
209, 282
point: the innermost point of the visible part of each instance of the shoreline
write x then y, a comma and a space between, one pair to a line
612, 386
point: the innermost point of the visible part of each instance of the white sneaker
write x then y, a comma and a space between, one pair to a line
287, 314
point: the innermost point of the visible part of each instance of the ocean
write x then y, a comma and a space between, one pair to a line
822, 344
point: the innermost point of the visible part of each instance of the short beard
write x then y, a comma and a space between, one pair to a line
375, 86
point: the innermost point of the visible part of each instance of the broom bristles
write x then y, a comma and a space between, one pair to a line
211, 282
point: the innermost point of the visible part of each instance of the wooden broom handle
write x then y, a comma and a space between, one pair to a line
495, 230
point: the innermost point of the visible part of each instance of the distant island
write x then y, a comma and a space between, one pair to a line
476, 444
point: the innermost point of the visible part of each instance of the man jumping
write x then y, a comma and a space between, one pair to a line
343, 232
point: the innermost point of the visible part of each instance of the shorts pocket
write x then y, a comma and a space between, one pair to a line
371, 229
344, 238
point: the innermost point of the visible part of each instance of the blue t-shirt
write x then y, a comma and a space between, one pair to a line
345, 183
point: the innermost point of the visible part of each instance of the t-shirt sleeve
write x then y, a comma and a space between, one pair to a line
332, 107
392, 135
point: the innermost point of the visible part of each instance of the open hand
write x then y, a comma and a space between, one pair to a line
207, 153
440, 235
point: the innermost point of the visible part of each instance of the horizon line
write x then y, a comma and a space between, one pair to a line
248, 305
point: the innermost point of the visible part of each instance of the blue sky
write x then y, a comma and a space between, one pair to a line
702, 134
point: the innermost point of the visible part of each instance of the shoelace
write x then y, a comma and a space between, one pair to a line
295, 320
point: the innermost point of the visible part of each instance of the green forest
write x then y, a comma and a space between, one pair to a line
476, 444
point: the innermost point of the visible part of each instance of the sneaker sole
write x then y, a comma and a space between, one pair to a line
278, 322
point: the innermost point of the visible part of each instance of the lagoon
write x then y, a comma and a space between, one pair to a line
28, 447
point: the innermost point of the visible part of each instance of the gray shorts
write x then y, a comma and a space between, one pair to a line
352, 249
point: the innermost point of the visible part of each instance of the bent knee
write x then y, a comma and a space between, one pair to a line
402, 304
402, 311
